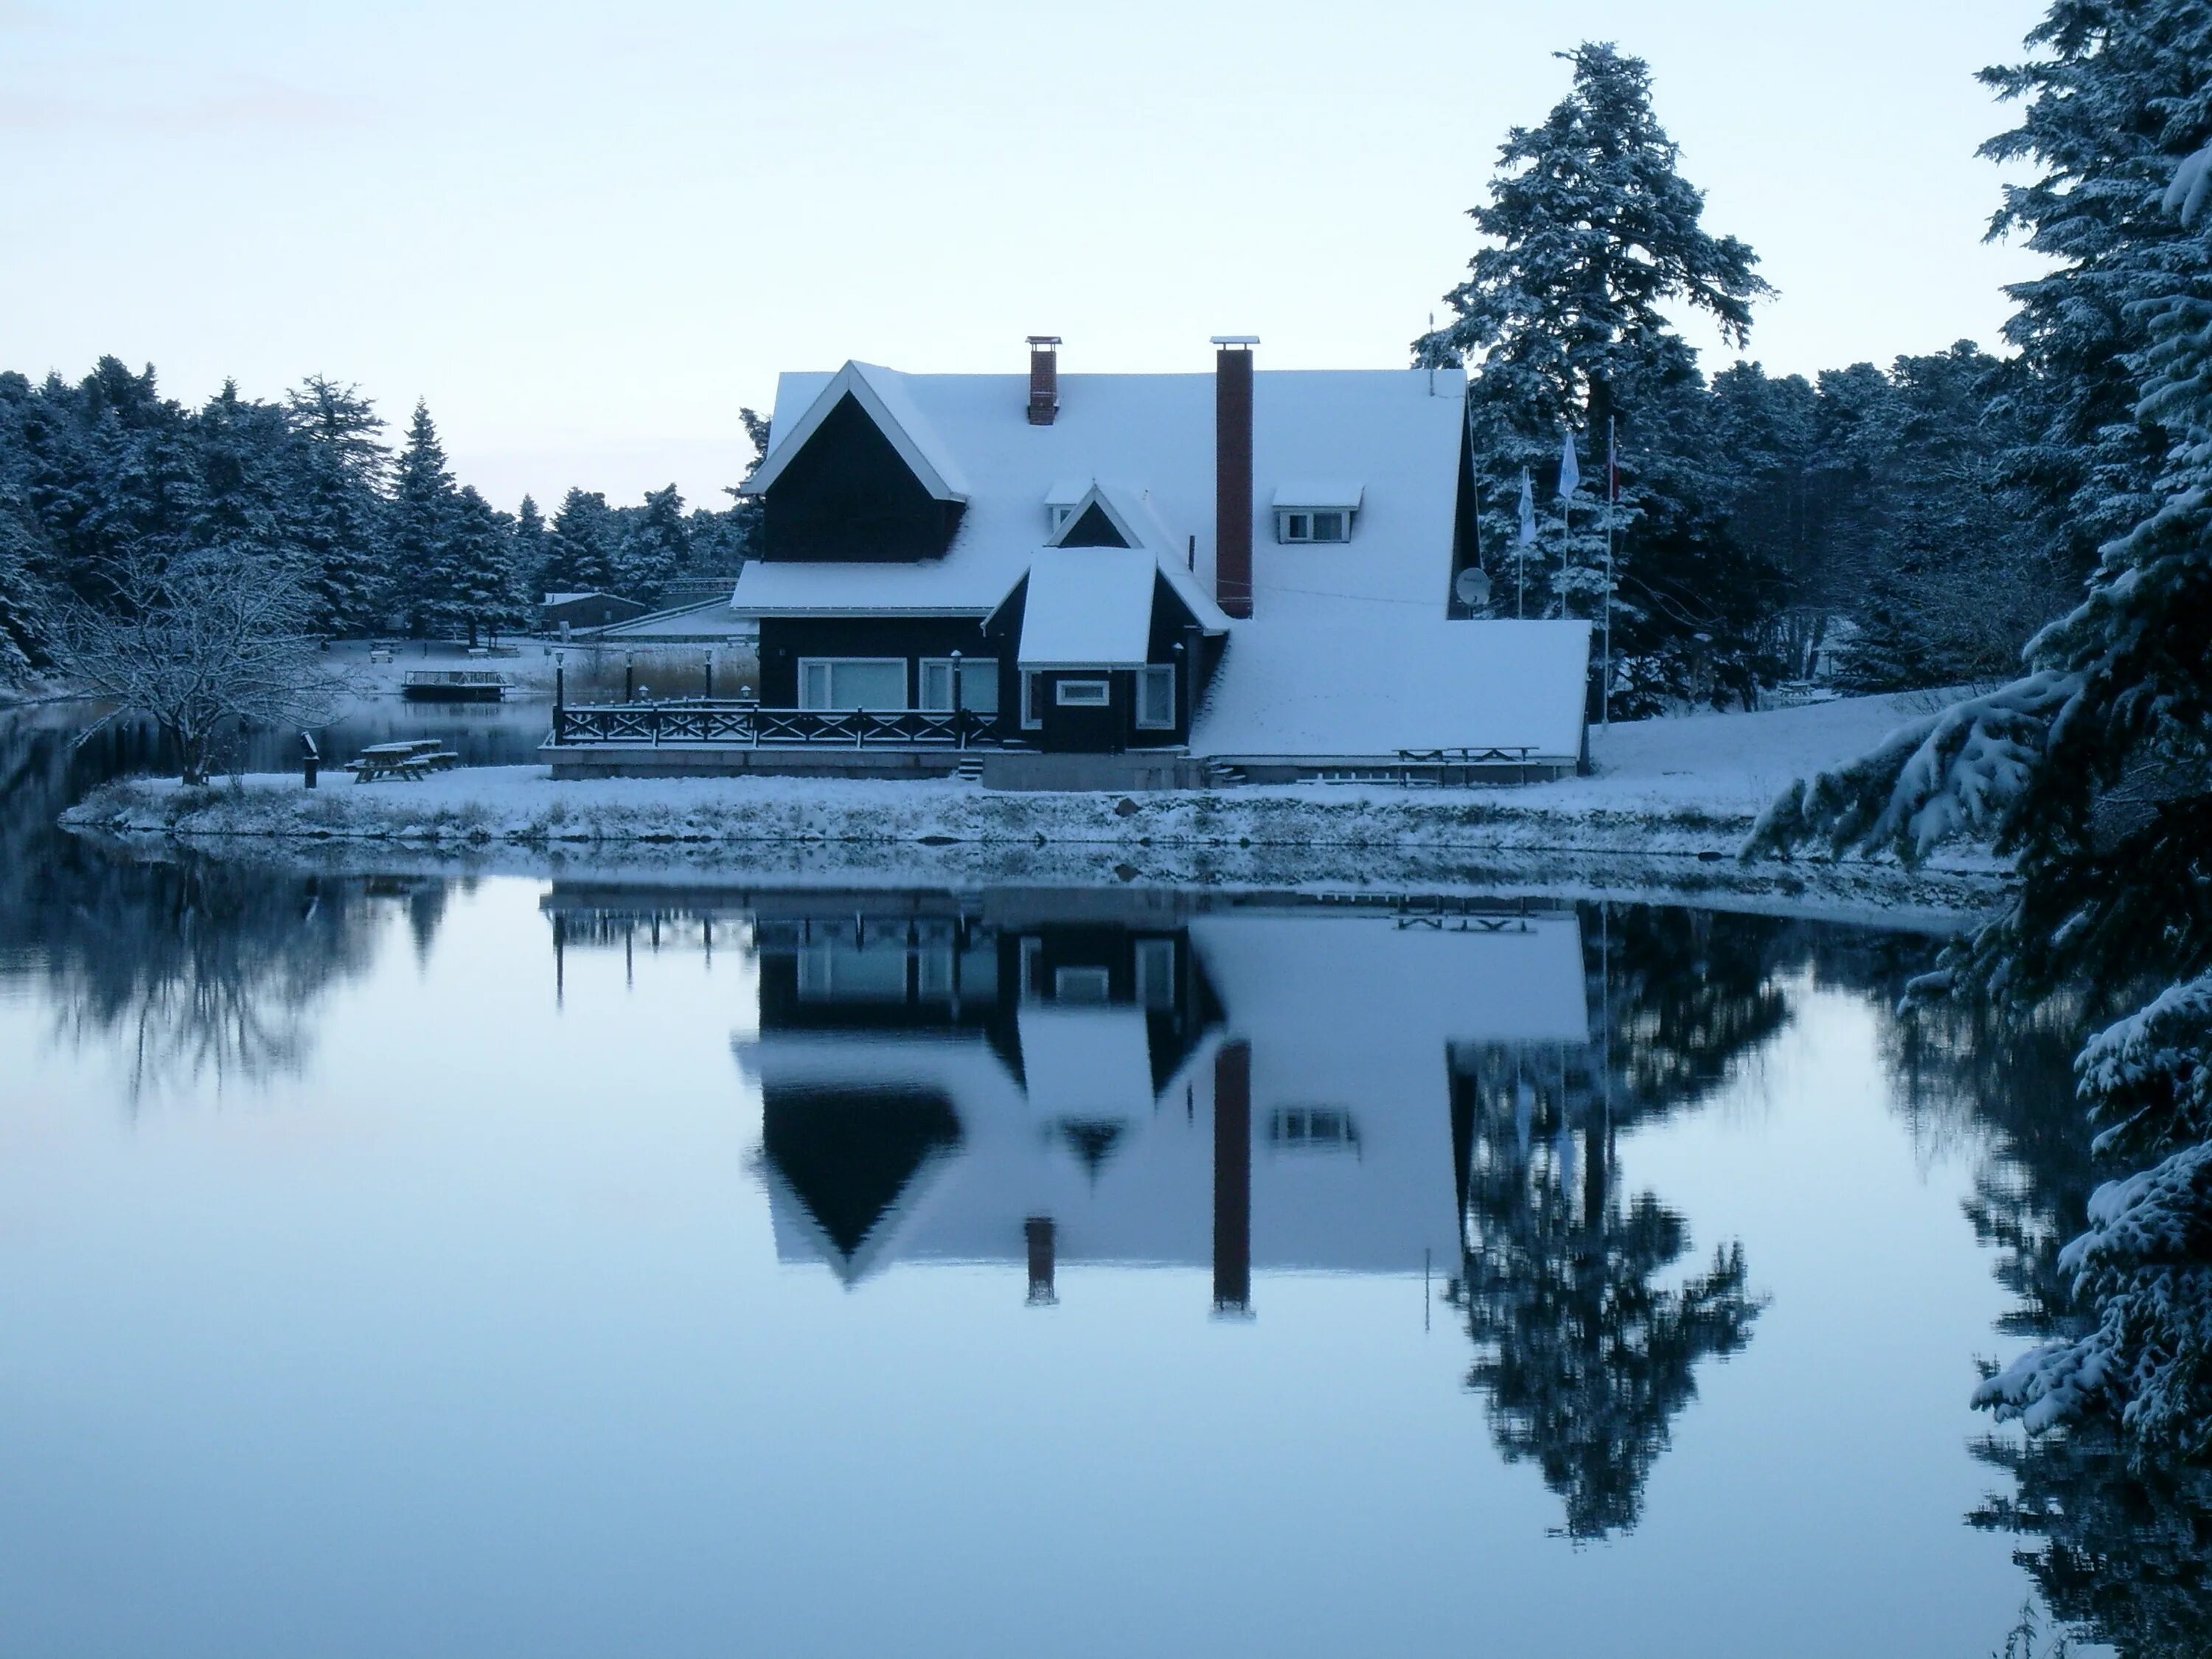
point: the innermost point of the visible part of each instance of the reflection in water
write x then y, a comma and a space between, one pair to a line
1354, 1088
186, 970
1039, 1083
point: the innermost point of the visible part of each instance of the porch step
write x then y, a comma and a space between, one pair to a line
1219, 775
969, 771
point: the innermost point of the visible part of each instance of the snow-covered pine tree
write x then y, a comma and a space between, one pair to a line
339, 466
2095, 767
1591, 230
532, 550
2108, 103
244, 481
655, 544
424, 575
586, 539
480, 550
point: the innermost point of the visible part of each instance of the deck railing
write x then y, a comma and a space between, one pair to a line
705, 721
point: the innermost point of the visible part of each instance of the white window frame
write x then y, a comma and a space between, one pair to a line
930, 668
807, 666
1297, 524
1150, 677
1032, 718
1083, 688
1059, 515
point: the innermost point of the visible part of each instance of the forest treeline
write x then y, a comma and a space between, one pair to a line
99, 474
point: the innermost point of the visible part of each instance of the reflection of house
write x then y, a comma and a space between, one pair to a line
1268, 1090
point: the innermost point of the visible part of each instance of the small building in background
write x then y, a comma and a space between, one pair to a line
585, 611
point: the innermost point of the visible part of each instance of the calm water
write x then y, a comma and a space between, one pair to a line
407, 1266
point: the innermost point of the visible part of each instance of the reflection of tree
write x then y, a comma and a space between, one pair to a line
2122, 1553
191, 968
1584, 1358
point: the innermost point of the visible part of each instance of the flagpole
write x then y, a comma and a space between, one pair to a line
1612, 512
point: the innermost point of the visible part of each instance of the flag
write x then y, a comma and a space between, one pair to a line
1570, 473
1528, 511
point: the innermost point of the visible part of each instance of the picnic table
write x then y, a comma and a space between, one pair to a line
416, 759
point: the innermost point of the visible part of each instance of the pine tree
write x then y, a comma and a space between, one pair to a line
655, 545
338, 468
424, 579
2095, 767
584, 541
481, 556
1591, 231
532, 552
2115, 97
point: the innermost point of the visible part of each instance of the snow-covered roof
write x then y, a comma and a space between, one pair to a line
1088, 607
1370, 679
570, 598
883, 394
706, 621
1150, 436
1323, 493
1085, 1062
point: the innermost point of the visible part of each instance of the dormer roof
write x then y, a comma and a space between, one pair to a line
883, 394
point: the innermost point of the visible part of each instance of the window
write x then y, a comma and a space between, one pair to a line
1331, 525
978, 682
1060, 515
852, 682
1032, 700
1081, 984
1084, 693
1156, 698
1155, 973
1321, 1129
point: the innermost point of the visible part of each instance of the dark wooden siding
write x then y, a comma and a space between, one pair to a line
784, 639
848, 495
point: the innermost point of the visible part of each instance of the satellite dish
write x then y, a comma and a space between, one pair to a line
1472, 588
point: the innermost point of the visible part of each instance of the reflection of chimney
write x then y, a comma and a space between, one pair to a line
1038, 1230
1233, 1179
1044, 378
1232, 472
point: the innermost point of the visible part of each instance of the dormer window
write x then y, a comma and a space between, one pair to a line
1060, 516
1316, 512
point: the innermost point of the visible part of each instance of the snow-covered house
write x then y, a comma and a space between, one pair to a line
1259, 568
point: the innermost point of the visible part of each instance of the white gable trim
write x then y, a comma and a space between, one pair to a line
1096, 496
913, 442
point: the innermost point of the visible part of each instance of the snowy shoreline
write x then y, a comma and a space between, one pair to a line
1668, 806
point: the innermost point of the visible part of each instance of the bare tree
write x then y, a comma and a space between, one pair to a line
201, 644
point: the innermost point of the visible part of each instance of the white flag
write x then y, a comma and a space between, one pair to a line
1528, 511
1570, 473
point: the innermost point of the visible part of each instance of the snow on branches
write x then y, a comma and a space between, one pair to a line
200, 643
2148, 1078
2145, 1266
1960, 771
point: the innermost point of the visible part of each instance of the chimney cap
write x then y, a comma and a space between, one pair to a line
1044, 339
1235, 340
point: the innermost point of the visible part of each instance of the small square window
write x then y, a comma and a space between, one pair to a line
1298, 527
1084, 693
1328, 526
1081, 984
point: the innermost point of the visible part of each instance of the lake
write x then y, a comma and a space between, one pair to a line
409, 1262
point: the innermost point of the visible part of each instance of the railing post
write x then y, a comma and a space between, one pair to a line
656, 724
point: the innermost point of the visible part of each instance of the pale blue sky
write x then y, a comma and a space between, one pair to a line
587, 234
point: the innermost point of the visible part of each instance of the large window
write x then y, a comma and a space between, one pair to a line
852, 682
1156, 698
978, 681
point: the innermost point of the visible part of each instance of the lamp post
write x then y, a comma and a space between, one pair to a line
630, 676
559, 683
709, 656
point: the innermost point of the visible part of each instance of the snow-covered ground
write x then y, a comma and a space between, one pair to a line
1680, 790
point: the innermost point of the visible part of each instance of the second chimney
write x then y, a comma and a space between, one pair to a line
1232, 472
1044, 378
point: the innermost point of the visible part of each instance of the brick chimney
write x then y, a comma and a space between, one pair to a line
1232, 472
1044, 378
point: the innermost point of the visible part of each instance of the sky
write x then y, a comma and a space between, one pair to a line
588, 235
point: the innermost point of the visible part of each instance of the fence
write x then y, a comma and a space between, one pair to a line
699, 720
